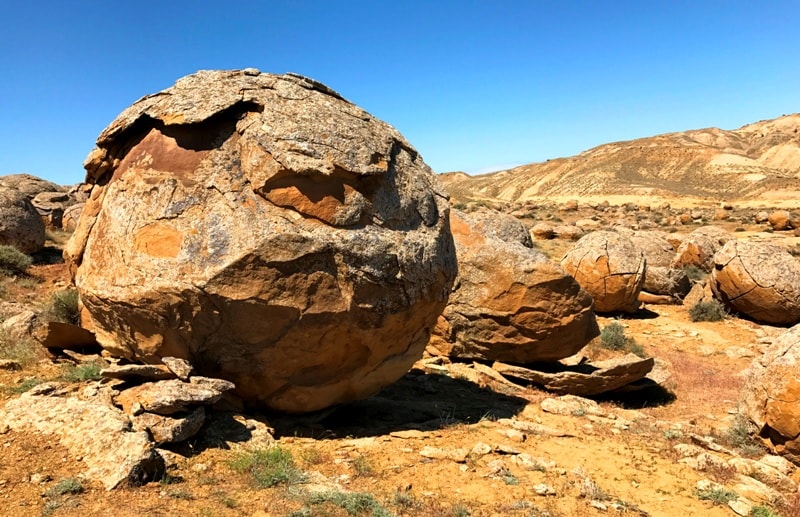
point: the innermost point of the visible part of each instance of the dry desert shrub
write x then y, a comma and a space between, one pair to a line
13, 261
711, 310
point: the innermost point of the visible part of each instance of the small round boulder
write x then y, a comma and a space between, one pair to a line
269, 232
758, 280
610, 268
20, 223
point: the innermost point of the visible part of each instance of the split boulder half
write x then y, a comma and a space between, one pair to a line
758, 280
510, 304
610, 268
269, 232
771, 395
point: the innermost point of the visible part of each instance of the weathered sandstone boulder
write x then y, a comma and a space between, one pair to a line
269, 232
771, 395
759, 280
610, 268
20, 224
660, 277
510, 304
568, 232
543, 231
698, 248
780, 220
28, 184
499, 226
51, 206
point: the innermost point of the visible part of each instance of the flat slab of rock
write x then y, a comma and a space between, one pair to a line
153, 372
170, 429
584, 379
168, 397
101, 435
67, 336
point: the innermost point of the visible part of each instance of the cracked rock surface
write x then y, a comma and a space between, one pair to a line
269, 232
610, 268
771, 395
758, 280
510, 303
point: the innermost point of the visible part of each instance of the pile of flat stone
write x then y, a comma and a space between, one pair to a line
166, 400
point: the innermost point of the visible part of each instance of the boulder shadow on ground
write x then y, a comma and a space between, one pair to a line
647, 393
417, 401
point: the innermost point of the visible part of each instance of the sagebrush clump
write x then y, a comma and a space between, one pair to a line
708, 311
63, 307
613, 337
13, 261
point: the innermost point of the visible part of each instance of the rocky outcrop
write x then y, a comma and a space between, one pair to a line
71, 216
610, 268
268, 231
758, 280
510, 304
771, 395
20, 224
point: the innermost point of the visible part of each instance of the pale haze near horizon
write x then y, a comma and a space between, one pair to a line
474, 86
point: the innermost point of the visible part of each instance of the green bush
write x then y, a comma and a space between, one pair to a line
82, 372
694, 273
13, 261
63, 307
708, 311
717, 495
353, 503
613, 337
269, 467
65, 486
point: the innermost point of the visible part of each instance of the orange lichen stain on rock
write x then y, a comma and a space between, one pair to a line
158, 240
161, 152
324, 200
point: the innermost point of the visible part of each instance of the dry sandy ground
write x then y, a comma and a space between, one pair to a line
373, 447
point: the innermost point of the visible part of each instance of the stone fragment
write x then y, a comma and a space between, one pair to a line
71, 217
758, 280
180, 367
170, 429
586, 379
780, 220
147, 372
610, 268
167, 397
542, 231
67, 336
100, 435
269, 232
510, 304
437, 453
571, 405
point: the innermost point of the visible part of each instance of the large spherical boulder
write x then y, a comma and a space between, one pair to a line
268, 231
20, 224
510, 303
758, 280
610, 268
29, 185
771, 395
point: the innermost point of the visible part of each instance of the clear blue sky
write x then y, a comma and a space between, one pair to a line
472, 85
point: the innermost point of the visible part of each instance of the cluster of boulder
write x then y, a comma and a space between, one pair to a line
258, 236
29, 205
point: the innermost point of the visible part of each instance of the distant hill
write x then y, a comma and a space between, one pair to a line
760, 160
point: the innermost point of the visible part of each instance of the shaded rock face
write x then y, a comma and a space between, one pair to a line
20, 224
660, 277
758, 280
771, 395
510, 304
610, 268
268, 231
